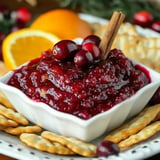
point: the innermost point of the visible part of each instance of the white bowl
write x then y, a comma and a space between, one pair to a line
69, 125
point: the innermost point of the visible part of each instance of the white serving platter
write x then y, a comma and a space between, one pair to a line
13, 147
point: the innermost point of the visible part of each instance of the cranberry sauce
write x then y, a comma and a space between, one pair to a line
81, 91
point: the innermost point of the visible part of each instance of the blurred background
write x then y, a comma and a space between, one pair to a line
102, 8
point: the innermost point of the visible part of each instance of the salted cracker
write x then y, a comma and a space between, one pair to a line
42, 144
23, 129
144, 134
7, 122
13, 115
78, 146
136, 124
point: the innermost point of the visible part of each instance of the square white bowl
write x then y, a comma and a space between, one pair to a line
69, 125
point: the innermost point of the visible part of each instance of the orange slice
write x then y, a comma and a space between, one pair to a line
24, 45
64, 23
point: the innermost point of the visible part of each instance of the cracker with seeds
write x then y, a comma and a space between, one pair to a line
136, 124
42, 144
23, 129
13, 115
144, 134
7, 122
80, 147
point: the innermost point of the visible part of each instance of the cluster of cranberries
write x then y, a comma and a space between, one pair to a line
11, 21
85, 54
146, 19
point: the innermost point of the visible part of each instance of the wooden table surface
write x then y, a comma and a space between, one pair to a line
3, 157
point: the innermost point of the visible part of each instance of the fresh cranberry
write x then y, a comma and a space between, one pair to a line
107, 148
95, 50
24, 15
156, 26
143, 18
91, 39
83, 58
64, 49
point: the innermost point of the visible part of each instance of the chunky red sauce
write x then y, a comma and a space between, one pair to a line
83, 92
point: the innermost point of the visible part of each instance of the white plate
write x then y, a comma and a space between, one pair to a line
11, 146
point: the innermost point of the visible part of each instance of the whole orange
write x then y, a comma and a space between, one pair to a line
64, 23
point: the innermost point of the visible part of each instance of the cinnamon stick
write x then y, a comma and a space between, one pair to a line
110, 33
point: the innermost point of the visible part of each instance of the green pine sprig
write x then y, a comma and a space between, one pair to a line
105, 8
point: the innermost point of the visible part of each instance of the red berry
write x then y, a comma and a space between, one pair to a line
91, 39
143, 18
83, 58
24, 15
90, 47
107, 148
64, 49
156, 26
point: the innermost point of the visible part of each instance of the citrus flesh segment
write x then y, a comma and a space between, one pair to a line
24, 45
